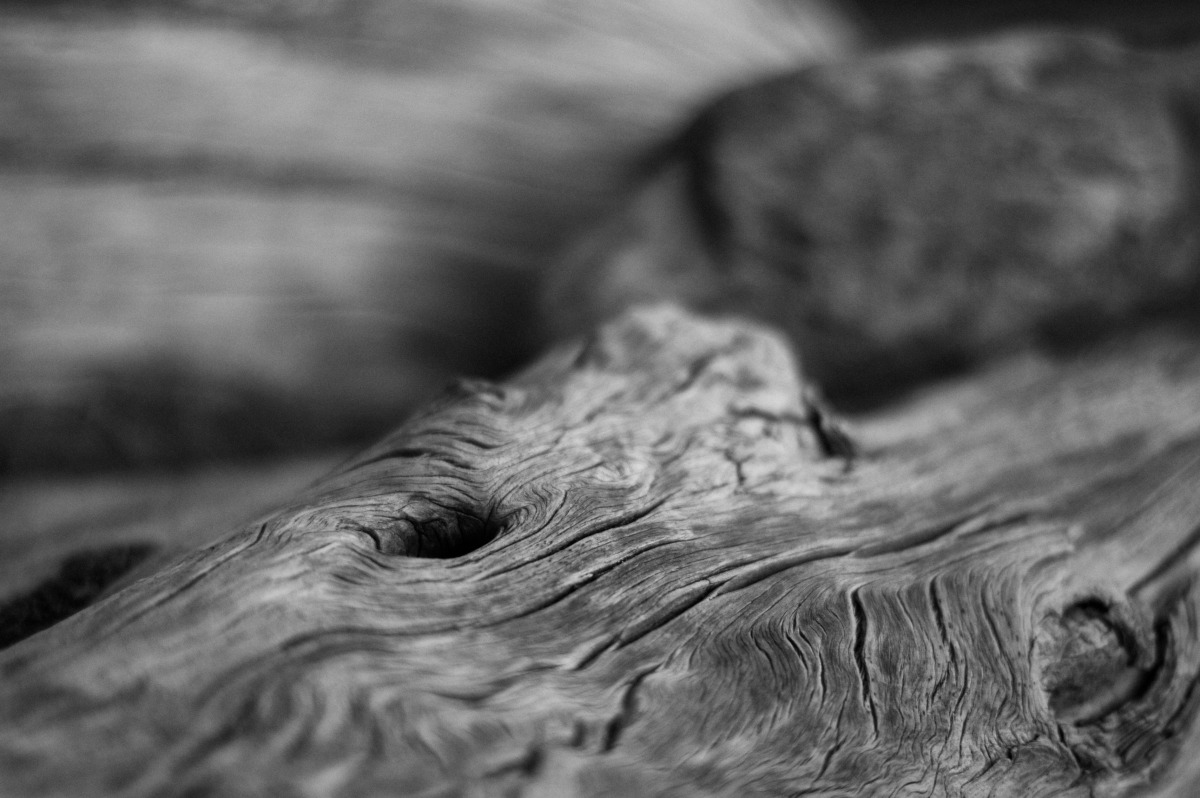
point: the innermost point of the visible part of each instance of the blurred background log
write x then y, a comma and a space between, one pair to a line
238, 230
910, 213
235, 231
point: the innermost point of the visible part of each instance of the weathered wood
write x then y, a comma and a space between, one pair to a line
653, 564
46, 522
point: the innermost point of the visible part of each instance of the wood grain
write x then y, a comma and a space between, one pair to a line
654, 564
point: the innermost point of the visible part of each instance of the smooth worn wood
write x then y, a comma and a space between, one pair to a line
654, 564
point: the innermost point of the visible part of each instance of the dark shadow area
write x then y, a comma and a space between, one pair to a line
1158, 22
80, 581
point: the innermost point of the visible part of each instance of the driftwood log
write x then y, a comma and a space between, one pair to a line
657, 563
654, 564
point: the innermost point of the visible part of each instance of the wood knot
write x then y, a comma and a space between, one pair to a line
1095, 660
425, 528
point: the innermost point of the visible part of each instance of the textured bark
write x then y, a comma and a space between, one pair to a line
654, 564
64, 542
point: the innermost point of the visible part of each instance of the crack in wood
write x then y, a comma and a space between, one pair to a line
738, 464
621, 721
528, 765
832, 439
860, 660
939, 617
838, 743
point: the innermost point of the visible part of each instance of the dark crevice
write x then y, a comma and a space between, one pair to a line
1085, 765
617, 725
80, 580
603, 647
696, 370
528, 766
738, 464
832, 441
834, 749
990, 618
579, 735
831, 438
939, 618
962, 691
860, 659
939, 614
1096, 665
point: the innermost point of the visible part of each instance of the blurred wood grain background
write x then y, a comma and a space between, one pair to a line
235, 230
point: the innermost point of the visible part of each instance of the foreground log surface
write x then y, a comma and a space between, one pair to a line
654, 564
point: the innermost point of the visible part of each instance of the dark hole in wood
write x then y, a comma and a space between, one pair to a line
434, 532
1095, 665
80, 580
